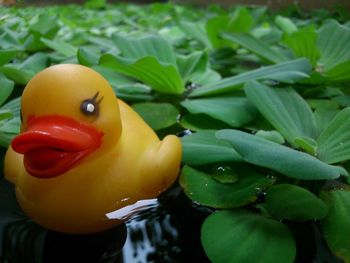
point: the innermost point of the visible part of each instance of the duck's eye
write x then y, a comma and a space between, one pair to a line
90, 107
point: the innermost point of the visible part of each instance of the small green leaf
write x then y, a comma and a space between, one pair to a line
88, 56
19, 76
7, 55
291, 202
334, 45
147, 46
286, 24
194, 145
197, 31
61, 47
162, 78
273, 136
339, 73
287, 161
198, 122
6, 88
44, 24
336, 226
284, 108
157, 115
307, 144
235, 111
192, 65
240, 236
288, 72
256, 46
334, 142
303, 43
240, 21
205, 190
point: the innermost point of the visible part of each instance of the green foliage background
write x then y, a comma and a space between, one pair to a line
264, 98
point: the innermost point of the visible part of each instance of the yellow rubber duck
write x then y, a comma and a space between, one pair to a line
83, 153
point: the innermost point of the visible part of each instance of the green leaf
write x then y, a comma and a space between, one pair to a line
287, 161
286, 24
240, 21
240, 236
334, 45
88, 56
287, 72
164, 79
291, 202
157, 115
334, 142
284, 108
147, 46
336, 226
7, 55
198, 122
339, 73
307, 144
234, 111
303, 43
6, 88
61, 47
273, 136
17, 75
194, 145
256, 46
205, 190
197, 31
44, 24
192, 65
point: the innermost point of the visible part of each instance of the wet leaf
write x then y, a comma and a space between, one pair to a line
240, 236
206, 190
291, 202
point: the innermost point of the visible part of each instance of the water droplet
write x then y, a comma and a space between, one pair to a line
225, 174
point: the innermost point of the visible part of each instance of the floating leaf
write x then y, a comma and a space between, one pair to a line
240, 21
333, 144
61, 47
235, 111
192, 65
157, 115
196, 30
7, 55
198, 122
287, 111
240, 236
256, 46
273, 136
286, 24
287, 161
288, 72
88, 56
194, 145
291, 202
336, 226
147, 46
164, 79
6, 88
205, 190
303, 43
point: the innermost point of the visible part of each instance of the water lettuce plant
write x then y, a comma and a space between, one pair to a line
262, 99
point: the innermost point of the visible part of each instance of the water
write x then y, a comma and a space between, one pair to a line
163, 230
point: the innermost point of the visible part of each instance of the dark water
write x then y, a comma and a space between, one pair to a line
166, 231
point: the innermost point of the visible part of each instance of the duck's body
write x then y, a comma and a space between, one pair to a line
129, 166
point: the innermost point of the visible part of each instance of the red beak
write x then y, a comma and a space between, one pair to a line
53, 144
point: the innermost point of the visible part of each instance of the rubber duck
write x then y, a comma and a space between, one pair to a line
83, 153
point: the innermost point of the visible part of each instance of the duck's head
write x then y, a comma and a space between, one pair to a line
69, 112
